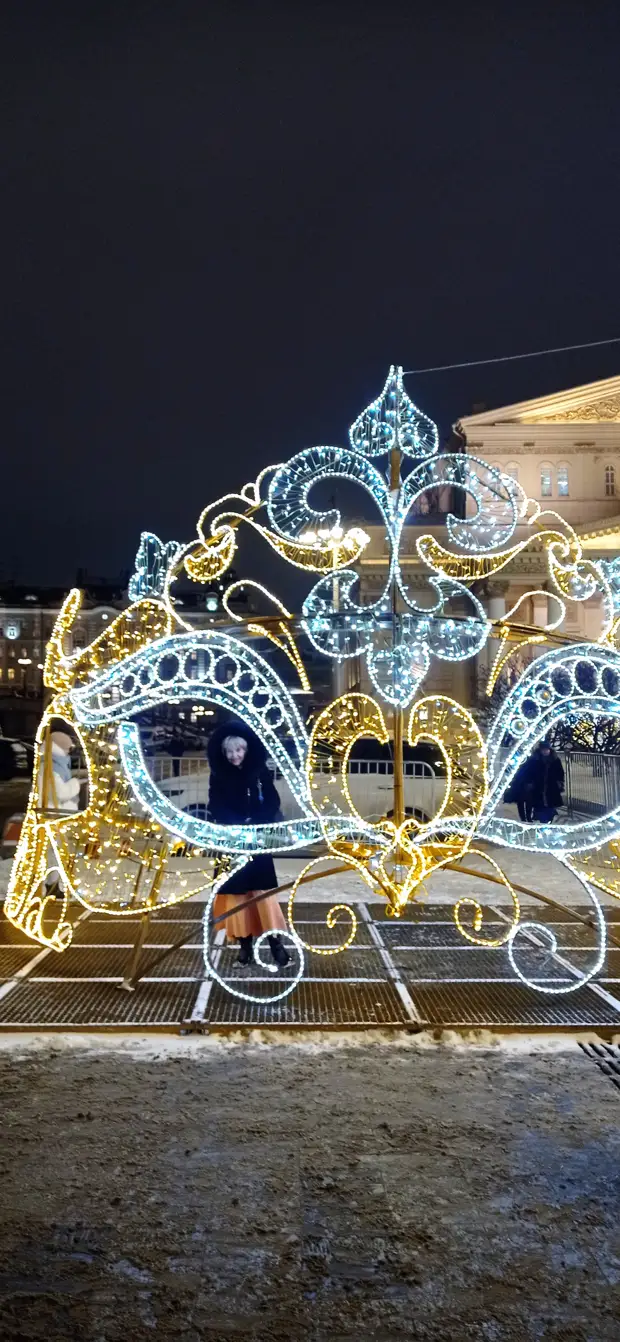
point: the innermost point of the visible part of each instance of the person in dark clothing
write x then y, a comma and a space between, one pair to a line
546, 778
520, 791
176, 749
241, 791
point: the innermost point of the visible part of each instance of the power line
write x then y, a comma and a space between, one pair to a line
507, 358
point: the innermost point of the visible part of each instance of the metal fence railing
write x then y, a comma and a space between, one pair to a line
592, 783
186, 781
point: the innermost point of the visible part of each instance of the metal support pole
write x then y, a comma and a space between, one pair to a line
398, 803
339, 672
399, 790
131, 977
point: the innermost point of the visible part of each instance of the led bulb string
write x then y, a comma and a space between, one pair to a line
148, 655
510, 358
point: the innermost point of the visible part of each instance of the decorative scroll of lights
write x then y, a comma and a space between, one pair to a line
131, 849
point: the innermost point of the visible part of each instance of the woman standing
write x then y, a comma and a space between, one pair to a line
241, 791
547, 783
520, 791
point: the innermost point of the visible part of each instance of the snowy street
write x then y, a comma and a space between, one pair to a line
334, 1190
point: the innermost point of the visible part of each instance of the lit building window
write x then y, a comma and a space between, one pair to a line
11, 673
546, 481
562, 479
610, 481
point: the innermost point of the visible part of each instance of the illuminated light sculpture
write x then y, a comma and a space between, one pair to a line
132, 849
151, 566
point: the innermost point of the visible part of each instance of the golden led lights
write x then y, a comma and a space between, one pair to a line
131, 849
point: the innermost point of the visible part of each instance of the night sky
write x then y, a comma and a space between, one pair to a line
219, 225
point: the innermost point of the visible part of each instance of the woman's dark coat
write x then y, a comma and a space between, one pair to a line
546, 780
521, 787
238, 794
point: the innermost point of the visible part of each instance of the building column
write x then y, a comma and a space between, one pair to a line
540, 609
493, 597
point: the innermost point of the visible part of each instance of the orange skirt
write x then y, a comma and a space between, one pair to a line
264, 917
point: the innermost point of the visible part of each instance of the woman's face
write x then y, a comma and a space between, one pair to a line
236, 752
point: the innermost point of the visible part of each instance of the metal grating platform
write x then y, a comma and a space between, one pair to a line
13, 959
356, 965
607, 1058
111, 962
511, 1004
330, 1004
399, 974
85, 1004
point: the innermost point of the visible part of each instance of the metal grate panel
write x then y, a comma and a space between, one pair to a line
315, 911
96, 1004
122, 932
471, 962
364, 964
555, 915
399, 934
569, 934
414, 913
464, 962
188, 910
342, 1005
607, 1058
333, 992
13, 936
92, 962
14, 958
471, 1004
611, 968
319, 934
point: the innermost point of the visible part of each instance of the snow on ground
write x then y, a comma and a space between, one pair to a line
199, 1047
197, 1190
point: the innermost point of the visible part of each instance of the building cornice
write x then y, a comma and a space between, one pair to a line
542, 446
592, 402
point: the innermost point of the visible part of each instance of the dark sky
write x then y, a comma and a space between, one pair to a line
219, 224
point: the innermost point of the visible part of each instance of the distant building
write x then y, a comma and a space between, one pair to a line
565, 452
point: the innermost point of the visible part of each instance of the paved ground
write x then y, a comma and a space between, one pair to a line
236, 1191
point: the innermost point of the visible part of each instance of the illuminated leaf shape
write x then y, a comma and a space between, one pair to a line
392, 420
209, 560
151, 566
473, 568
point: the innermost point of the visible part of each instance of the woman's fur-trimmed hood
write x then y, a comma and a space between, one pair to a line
255, 759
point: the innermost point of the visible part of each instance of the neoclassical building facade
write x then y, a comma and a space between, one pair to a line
564, 449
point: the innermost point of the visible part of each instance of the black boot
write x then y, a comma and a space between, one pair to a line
246, 952
278, 951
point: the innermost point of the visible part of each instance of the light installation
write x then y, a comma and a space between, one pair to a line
131, 848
